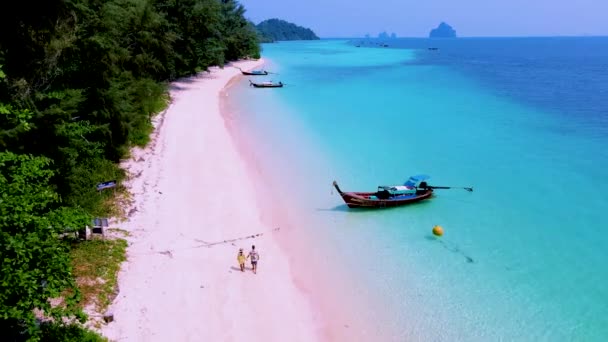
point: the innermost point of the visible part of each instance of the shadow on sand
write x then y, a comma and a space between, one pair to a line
237, 269
183, 83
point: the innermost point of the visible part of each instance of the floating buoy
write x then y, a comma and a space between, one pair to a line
437, 231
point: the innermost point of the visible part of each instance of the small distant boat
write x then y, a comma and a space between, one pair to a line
414, 190
255, 72
433, 48
267, 84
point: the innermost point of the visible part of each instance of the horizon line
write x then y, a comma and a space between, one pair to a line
426, 37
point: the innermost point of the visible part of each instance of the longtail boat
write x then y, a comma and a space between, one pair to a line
266, 84
414, 190
255, 72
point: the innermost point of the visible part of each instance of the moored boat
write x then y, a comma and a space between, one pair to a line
255, 72
267, 84
414, 190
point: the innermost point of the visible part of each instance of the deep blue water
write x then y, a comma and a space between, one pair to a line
524, 121
563, 75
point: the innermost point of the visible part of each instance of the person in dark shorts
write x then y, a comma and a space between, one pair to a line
253, 254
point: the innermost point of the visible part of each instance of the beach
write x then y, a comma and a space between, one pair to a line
228, 162
193, 205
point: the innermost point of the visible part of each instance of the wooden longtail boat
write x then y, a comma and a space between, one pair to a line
255, 72
414, 190
266, 84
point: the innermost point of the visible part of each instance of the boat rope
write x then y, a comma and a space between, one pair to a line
169, 252
443, 198
456, 250
211, 244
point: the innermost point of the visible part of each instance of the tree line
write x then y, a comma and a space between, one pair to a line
272, 30
79, 83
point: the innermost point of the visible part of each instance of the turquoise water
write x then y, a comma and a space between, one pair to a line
523, 256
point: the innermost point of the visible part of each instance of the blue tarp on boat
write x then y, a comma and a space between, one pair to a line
414, 180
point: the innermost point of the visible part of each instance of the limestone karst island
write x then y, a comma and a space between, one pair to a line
443, 31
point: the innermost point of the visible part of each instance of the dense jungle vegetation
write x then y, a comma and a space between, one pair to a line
79, 83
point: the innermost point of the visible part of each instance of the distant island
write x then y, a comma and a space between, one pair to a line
273, 30
384, 35
443, 31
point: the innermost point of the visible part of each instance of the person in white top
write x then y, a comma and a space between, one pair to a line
253, 254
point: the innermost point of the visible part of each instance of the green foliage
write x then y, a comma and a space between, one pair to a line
239, 34
18, 118
34, 264
83, 195
68, 333
79, 83
272, 30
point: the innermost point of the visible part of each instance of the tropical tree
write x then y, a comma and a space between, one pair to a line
79, 82
34, 263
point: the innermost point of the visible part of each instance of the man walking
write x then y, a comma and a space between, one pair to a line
253, 254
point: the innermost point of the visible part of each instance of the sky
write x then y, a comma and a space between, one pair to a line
409, 18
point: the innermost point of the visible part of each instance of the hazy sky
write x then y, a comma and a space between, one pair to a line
409, 18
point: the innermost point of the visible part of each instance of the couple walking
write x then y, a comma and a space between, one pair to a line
253, 254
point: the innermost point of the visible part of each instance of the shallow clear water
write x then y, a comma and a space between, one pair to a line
522, 121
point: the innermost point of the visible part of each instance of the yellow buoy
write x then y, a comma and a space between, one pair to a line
437, 231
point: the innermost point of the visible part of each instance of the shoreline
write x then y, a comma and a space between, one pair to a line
193, 206
316, 271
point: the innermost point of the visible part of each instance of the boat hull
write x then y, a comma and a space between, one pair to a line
375, 200
362, 200
254, 73
267, 86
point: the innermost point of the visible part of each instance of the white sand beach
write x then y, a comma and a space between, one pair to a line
190, 189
